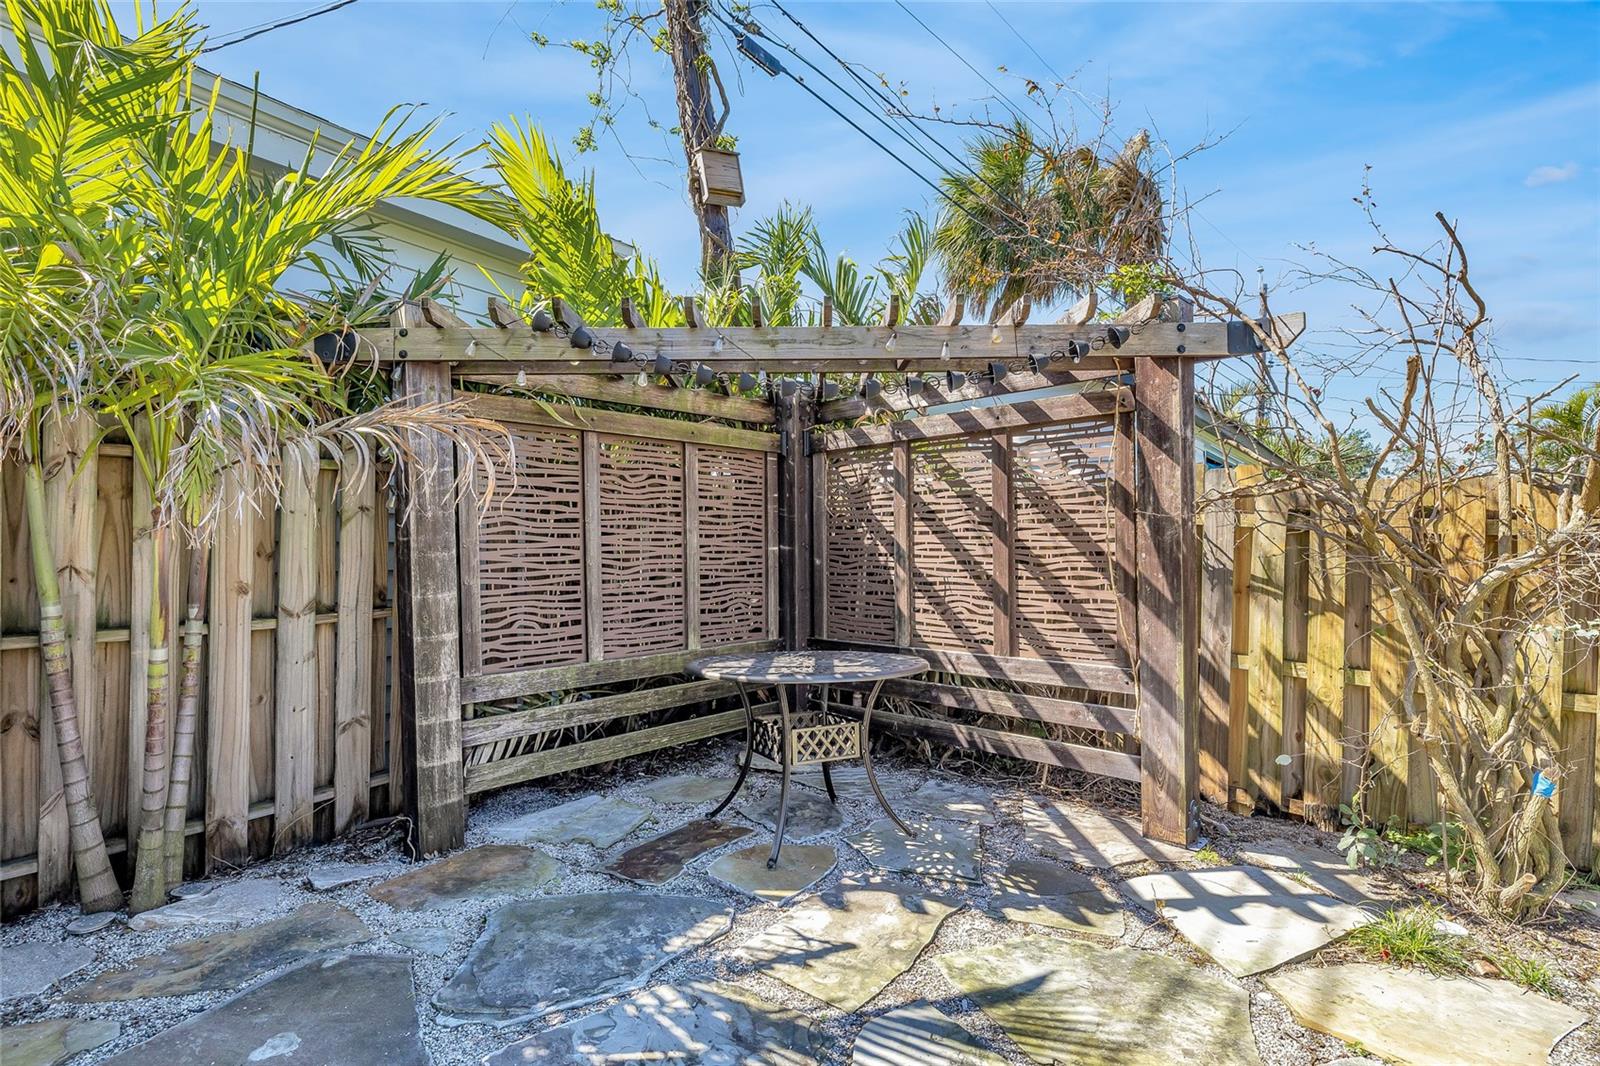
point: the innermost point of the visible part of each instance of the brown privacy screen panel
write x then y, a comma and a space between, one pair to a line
540, 565
1064, 543
859, 526
1062, 529
642, 557
530, 556
731, 489
952, 543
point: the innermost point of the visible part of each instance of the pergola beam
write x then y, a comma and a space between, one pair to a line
813, 349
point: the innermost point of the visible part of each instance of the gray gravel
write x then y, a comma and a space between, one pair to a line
1280, 1040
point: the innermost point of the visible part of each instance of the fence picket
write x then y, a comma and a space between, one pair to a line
295, 716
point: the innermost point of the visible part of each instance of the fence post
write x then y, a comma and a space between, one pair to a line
428, 600
1168, 583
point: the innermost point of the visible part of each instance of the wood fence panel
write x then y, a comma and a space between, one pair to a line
229, 689
1264, 730
294, 715
355, 636
1325, 681
1218, 532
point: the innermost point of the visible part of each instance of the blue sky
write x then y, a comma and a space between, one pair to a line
1489, 112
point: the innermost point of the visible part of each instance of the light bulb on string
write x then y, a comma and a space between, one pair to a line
944, 350
994, 335
888, 345
716, 346
522, 378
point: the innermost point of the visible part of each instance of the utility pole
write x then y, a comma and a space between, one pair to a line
693, 74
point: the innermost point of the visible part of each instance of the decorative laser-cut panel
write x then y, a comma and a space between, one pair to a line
1064, 543
859, 570
530, 556
732, 544
641, 547
952, 546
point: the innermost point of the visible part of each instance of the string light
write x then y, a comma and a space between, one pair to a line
716, 346
472, 346
522, 378
944, 350
994, 335
888, 345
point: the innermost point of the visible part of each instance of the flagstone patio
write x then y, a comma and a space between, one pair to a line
1013, 930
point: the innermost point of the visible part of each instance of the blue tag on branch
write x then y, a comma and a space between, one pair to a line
1542, 785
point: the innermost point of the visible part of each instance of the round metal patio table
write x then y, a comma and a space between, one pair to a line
795, 736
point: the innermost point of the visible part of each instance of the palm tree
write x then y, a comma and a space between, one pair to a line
217, 371
70, 92
1563, 429
1037, 219
570, 255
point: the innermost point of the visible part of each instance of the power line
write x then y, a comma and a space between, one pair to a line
257, 31
1026, 43
1010, 105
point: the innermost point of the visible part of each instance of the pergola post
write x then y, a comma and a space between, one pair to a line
428, 635
1168, 583
794, 522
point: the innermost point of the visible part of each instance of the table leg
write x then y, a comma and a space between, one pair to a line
827, 775
866, 760
749, 750
783, 786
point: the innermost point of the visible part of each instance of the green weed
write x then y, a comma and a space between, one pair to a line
1209, 856
1408, 937
1532, 974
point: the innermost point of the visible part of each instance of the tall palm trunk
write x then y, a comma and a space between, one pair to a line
188, 713
97, 885
149, 876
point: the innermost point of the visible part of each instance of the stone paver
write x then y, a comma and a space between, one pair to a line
28, 969
1584, 901
88, 924
1090, 838
845, 946
660, 859
918, 1035
227, 960
1047, 893
1245, 918
693, 789
945, 850
1325, 869
230, 904
557, 952
1072, 1001
57, 1040
705, 1023
1408, 1016
955, 800
477, 873
799, 867
428, 939
355, 1011
594, 819
331, 875
810, 815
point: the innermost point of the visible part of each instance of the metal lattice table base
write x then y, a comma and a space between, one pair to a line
806, 738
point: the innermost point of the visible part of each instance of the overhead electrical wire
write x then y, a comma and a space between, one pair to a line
1010, 104
264, 28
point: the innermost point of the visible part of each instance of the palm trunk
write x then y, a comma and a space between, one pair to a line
97, 885
149, 877
188, 713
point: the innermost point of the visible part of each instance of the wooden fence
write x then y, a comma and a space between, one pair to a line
1299, 659
295, 733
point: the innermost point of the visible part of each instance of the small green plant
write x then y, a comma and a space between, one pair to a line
1209, 856
1410, 937
1429, 842
1533, 974
1363, 844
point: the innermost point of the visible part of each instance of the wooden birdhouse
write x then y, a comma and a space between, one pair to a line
717, 171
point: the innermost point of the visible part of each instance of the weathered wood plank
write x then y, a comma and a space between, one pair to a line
1074, 713
492, 728
353, 634
486, 688
935, 391
1002, 533
1091, 676
568, 417
428, 636
1045, 411
904, 507
797, 349
1325, 682
1218, 530
691, 545
1168, 615
228, 654
624, 390
575, 756
1265, 737
295, 688
1115, 764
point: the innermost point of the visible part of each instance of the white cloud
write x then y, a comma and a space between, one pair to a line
1548, 175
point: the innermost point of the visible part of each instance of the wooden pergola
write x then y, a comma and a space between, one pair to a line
1142, 368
